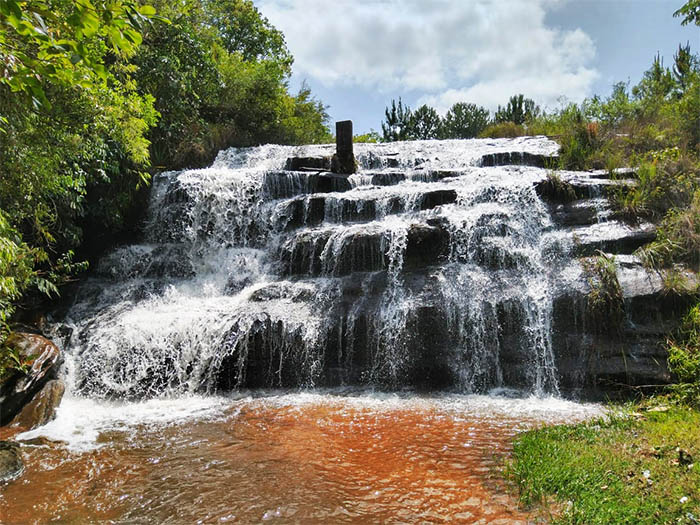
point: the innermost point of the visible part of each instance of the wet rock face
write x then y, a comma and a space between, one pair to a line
42, 408
518, 159
432, 267
19, 389
599, 362
11, 464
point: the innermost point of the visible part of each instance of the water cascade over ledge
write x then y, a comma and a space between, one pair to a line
437, 266
262, 351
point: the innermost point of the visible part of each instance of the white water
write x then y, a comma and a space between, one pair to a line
233, 288
81, 422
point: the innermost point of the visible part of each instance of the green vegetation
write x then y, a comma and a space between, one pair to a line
95, 95
462, 121
605, 304
643, 467
503, 130
639, 468
519, 110
555, 189
684, 359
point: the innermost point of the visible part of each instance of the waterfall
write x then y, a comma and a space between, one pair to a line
428, 268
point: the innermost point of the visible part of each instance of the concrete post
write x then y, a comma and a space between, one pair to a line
344, 160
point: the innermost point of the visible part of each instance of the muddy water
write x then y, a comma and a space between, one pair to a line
284, 458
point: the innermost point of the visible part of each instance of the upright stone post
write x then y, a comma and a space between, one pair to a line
344, 159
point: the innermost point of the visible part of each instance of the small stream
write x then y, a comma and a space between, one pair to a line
321, 457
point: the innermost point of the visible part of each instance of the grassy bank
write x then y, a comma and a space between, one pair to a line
642, 467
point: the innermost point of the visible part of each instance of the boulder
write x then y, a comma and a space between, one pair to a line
20, 388
11, 464
42, 408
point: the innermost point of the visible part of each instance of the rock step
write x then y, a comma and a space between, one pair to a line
341, 251
582, 212
518, 158
578, 186
316, 209
301, 163
373, 161
611, 237
286, 184
366, 247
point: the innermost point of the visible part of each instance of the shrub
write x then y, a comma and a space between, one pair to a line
503, 130
554, 189
605, 303
684, 358
677, 239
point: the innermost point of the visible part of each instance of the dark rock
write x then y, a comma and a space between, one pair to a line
518, 158
582, 212
19, 389
298, 163
11, 464
287, 184
362, 250
606, 363
42, 408
436, 198
386, 178
427, 244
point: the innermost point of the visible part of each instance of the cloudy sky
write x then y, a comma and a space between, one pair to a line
357, 55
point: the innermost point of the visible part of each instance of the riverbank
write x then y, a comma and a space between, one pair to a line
641, 466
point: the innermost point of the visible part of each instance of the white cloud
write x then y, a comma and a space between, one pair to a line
481, 51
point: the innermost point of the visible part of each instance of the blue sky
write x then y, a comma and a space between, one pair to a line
356, 55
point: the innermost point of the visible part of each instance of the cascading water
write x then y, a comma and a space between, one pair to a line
432, 267
423, 270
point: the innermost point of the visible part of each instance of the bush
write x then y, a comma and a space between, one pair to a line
677, 239
503, 130
554, 189
684, 359
605, 303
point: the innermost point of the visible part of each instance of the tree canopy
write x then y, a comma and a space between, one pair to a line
96, 94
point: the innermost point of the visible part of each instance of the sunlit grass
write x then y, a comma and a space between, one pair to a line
635, 468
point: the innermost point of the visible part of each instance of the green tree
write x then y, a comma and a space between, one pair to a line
425, 123
518, 110
220, 77
54, 41
397, 122
74, 124
244, 30
657, 81
684, 64
465, 121
690, 11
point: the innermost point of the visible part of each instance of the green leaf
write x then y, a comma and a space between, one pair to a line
11, 8
147, 10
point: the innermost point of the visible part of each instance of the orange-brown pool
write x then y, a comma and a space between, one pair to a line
282, 458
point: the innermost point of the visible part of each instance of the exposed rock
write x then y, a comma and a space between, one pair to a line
42, 408
582, 212
598, 363
19, 389
11, 464
517, 158
286, 184
611, 237
297, 163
